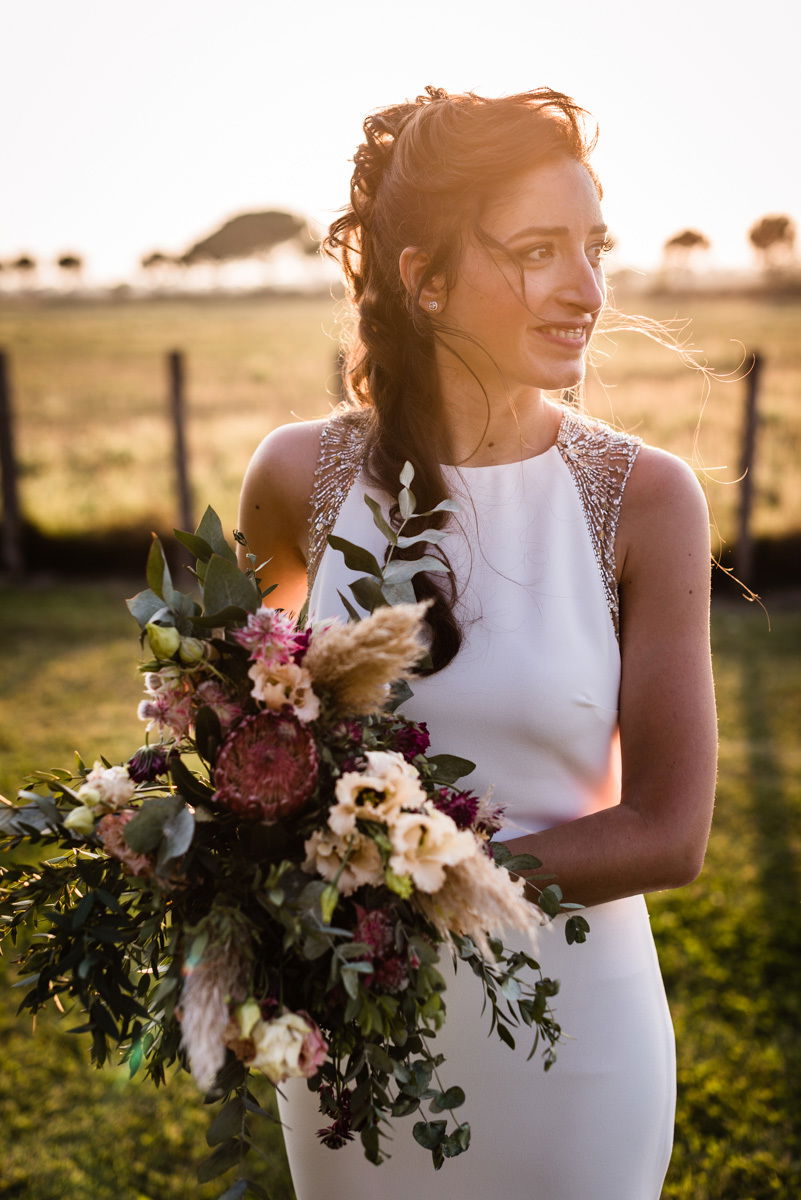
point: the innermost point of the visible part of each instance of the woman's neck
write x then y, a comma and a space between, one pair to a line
490, 430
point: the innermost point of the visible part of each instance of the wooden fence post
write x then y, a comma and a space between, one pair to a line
11, 533
177, 375
744, 550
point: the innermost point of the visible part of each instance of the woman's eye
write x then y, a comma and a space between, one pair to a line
539, 253
599, 249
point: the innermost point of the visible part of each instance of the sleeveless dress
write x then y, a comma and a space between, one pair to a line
532, 698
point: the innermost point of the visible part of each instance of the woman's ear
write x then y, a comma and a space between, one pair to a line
412, 265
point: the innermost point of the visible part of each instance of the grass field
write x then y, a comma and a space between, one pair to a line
90, 394
730, 944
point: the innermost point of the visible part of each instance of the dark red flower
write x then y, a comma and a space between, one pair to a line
461, 807
267, 767
411, 739
147, 764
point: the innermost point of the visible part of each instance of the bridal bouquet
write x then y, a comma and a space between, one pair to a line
268, 883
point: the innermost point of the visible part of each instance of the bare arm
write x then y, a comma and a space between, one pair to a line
656, 837
274, 509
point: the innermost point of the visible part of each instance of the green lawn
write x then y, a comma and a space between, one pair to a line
730, 944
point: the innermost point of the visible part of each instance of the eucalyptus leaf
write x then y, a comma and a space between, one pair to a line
381, 522
435, 536
144, 831
210, 530
198, 545
221, 1160
448, 768
238, 1189
226, 586
356, 557
429, 1134
406, 568
443, 1101
399, 593
144, 606
406, 503
227, 1123
349, 609
407, 474
367, 592
178, 832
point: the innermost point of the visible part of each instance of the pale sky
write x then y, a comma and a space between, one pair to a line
129, 127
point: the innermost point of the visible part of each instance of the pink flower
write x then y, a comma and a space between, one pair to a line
211, 694
269, 634
374, 928
111, 831
267, 767
169, 707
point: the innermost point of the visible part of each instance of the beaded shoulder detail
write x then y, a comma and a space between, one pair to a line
600, 460
340, 459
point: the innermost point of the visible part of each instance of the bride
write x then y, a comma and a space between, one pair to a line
569, 642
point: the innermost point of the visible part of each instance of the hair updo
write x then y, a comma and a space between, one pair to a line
422, 178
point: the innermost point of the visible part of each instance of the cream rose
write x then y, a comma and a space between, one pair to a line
288, 1046
107, 788
388, 786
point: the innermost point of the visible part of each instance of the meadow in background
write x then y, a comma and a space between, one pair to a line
95, 450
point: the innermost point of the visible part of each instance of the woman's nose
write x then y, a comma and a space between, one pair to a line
583, 286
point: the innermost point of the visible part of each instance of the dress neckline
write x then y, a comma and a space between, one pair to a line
519, 462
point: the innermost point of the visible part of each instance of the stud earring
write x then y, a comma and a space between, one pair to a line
433, 305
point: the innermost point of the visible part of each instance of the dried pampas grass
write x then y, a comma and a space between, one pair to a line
218, 980
355, 663
479, 899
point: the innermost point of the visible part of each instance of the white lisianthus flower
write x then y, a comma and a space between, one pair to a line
280, 683
326, 852
424, 844
80, 820
107, 788
286, 1047
389, 785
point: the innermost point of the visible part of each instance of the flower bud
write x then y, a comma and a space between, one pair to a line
90, 795
248, 1016
192, 650
80, 820
164, 640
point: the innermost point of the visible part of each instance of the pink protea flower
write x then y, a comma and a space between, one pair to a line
211, 694
267, 767
269, 634
111, 831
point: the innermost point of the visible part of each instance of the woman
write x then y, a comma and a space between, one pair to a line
570, 650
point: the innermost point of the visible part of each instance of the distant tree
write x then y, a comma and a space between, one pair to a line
773, 240
249, 235
25, 267
682, 248
156, 265
71, 265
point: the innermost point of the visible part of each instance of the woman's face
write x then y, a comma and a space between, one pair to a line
549, 221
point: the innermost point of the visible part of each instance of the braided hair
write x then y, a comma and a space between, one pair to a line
421, 178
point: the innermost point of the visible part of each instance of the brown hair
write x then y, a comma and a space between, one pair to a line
421, 178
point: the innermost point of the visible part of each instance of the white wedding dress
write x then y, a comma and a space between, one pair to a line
532, 699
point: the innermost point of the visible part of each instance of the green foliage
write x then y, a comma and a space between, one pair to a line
729, 944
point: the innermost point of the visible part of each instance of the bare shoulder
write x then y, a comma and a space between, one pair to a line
664, 517
281, 471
